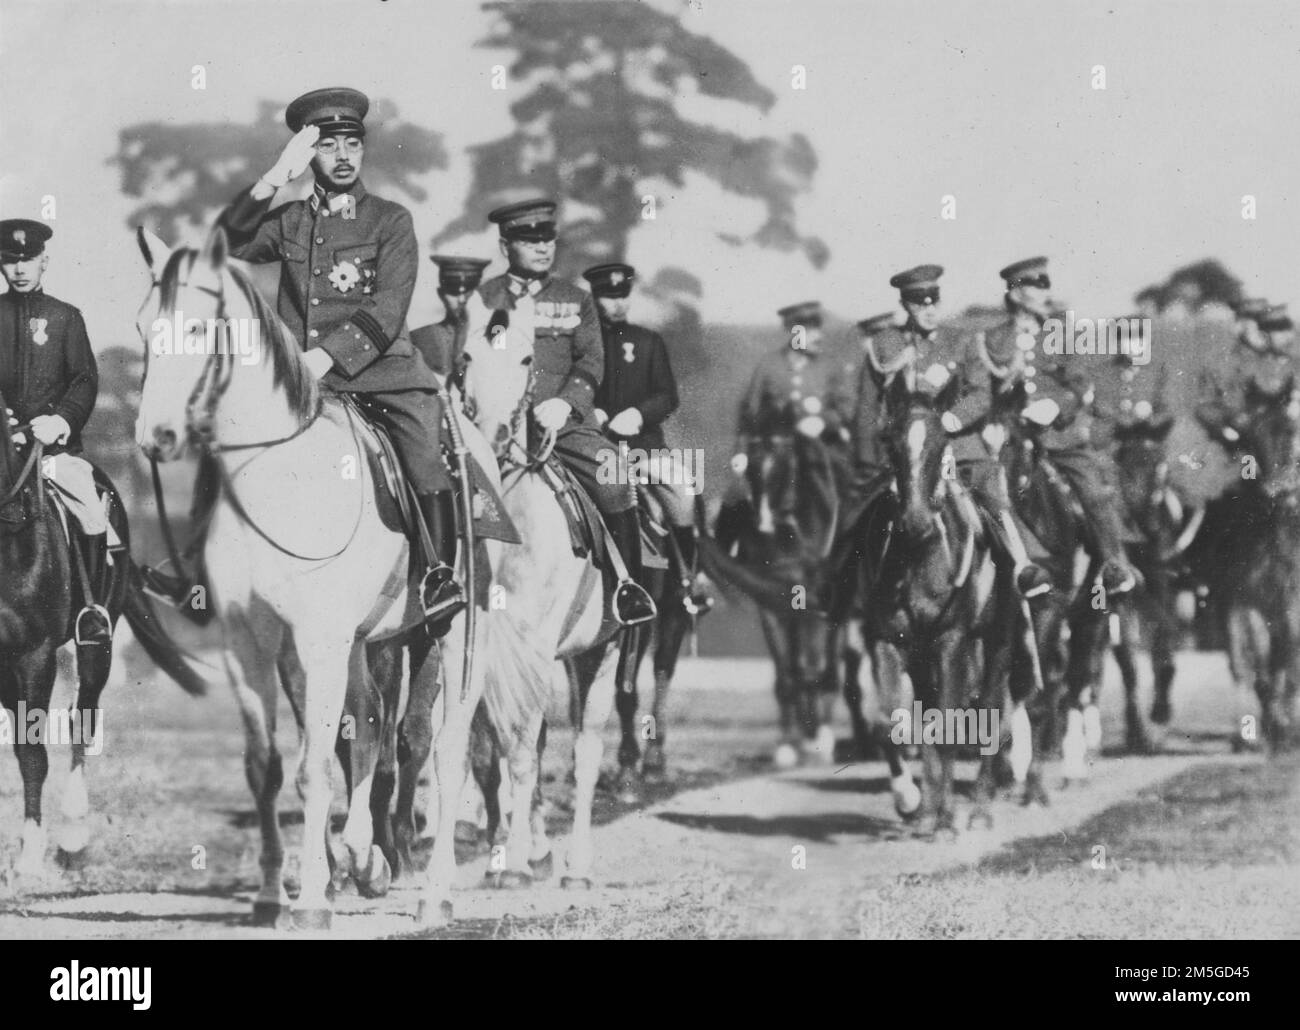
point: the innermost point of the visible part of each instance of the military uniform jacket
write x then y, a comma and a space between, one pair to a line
1224, 390
46, 364
1035, 375
345, 283
1126, 395
787, 386
440, 345
949, 350
638, 375
568, 355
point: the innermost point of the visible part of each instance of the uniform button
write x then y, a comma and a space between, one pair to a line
1030, 371
797, 380
365, 346
952, 365
1127, 375
1126, 404
314, 333
320, 239
315, 271
315, 300
1030, 388
356, 336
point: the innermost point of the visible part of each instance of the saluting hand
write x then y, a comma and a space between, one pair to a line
294, 158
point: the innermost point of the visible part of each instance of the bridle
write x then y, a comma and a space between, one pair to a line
524, 459
212, 384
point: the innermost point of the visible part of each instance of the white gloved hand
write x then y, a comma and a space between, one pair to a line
937, 375
1230, 434
51, 429
995, 435
739, 463
626, 423
601, 416
294, 158
1042, 412
1142, 410
552, 414
950, 422
318, 361
811, 425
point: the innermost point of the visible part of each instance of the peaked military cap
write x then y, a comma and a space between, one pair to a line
807, 313
610, 280
1275, 319
526, 220
459, 274
876, 323
1252, 308
336, 110
1030, 272
22, 238
919, 285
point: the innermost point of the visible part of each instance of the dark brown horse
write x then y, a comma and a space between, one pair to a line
41, 596
941, 606
774, 548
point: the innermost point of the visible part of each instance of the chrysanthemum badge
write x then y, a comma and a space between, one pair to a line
344, 276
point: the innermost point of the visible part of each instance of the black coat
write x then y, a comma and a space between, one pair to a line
638, 375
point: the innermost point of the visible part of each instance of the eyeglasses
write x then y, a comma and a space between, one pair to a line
351, 144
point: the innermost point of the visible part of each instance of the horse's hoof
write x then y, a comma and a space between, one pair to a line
1138, 743
466, 832
72, 861
980, 818
374, 880
821, 749
543, 868
268, 913
312, 918
432, 917
508, 880
907, 796
785, 757
1161, 713
627, 788
575, 883
1035, 794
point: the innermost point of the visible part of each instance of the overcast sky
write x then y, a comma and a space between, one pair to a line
906, 102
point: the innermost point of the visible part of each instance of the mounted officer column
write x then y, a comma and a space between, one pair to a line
568, 366
49, 380
441, 344
348, 268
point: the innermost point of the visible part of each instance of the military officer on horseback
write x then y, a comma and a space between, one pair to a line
49, 380
637, 394
568, 367
794, 389
348, 267
1262, 359
1051, 395
930, 355
441, 344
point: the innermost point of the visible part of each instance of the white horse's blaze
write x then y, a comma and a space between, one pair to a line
916, 440
1022, 743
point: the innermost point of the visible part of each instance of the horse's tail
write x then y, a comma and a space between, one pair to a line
141, 617
767, 591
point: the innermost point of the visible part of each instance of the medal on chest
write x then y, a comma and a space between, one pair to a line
37, 327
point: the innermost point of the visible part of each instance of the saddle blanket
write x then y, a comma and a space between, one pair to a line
73, 480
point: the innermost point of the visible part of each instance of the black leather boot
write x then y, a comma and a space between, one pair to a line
632, 604
441, 594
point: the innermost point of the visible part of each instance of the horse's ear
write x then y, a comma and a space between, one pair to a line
216, 250
154, 250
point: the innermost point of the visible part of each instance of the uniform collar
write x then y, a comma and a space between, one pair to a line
337, 201
521, 284
14, 296
917, 333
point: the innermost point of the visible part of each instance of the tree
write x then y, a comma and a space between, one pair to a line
187, 173
600, 125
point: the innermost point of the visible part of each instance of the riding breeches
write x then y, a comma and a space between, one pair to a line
413, 419
1089, 476
594, 461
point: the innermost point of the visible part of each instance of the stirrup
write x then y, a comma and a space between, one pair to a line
101, 632
441, 596
164, 586
631, 604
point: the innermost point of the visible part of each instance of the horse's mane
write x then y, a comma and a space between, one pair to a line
287, 367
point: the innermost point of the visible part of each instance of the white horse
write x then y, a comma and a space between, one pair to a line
303, 570
555, 607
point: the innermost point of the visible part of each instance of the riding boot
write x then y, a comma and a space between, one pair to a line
697, 598
92, 625
632, 604
1031, 578
441, 594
